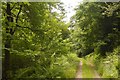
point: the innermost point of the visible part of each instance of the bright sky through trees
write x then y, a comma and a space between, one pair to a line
37, 43
69, 7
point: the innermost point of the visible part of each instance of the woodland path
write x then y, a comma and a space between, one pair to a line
86, 70
79, 71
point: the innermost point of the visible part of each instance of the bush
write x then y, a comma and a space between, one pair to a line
108, 67
60, 67
64, 66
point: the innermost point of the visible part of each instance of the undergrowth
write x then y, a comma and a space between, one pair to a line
107, 67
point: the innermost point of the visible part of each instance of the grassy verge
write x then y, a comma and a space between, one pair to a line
87, 71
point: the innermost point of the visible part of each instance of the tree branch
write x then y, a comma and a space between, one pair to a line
13, 6
25, 27
18, 13
17, 17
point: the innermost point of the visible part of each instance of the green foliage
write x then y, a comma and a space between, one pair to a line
92, 28
67, 65
61, 67
96, 36
40, 45
108, 67
36, 42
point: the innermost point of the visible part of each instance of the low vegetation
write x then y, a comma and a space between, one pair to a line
37, 43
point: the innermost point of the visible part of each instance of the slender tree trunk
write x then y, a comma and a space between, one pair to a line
6, 71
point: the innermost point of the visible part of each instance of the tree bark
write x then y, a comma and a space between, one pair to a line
9, 32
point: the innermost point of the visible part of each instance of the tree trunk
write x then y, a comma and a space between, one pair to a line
6, 70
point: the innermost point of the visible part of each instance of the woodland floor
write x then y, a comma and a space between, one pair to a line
86, 70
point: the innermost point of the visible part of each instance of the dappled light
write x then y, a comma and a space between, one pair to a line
66, 40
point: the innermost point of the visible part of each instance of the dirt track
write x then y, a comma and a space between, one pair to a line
79, 72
